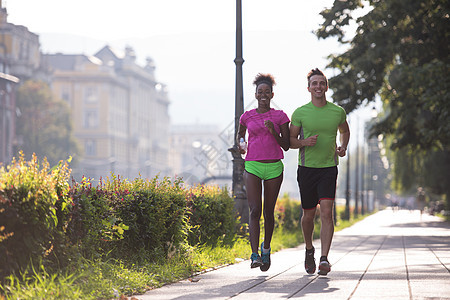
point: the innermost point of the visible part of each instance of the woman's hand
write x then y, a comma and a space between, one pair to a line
242, 150
241, 134
269, 125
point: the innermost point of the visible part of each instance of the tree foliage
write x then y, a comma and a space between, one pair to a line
44, 125
400, 53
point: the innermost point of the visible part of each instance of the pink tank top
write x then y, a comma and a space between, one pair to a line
261, 143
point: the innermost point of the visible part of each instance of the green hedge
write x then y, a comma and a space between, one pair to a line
33, 213
287, 213
211, 216
155, 213
50, 220
43, 218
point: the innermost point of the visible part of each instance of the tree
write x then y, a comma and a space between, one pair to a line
44, 124
400, 52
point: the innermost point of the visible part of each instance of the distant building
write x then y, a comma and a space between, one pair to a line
199, 154
16, 45
8, 139
119, 112
20, 55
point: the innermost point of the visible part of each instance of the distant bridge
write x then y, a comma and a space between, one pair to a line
208, 179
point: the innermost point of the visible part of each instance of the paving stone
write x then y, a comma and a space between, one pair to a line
388, 255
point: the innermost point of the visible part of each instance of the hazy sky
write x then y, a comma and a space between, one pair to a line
193, 45
113, 19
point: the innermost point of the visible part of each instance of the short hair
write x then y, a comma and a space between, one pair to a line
264, 78
316, 71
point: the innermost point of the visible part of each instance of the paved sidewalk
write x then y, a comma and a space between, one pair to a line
389, 255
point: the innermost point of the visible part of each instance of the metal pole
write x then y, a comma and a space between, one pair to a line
356, 212
347, 185
241, 205
347, 189
363, 187
239, 98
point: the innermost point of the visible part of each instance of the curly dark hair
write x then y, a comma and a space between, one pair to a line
264, 78
316, 71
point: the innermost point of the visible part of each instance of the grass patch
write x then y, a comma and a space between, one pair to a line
38, 284
108, 279
207, 257
445, 217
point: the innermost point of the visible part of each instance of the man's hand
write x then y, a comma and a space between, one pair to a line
311, 141
341, 151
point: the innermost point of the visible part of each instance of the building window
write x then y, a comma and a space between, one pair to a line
90, 148
65, 94
90, 118
90, 95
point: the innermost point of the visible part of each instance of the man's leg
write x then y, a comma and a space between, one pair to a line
308, 226
327, 226
309, 198
308, 232
326, 234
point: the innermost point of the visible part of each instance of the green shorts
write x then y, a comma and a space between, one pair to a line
264, 171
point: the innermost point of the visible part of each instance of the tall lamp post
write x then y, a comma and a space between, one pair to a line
356, 212
240, 205
347, 189
363, 194
371, 199
347, 186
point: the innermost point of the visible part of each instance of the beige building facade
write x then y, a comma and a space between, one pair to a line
119, 112
8, 139
19, 49
19, 60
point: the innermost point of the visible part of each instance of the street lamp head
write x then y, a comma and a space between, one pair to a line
374, 112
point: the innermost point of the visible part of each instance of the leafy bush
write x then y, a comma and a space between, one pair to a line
33, 212
94, 223
287, 213
122, 217
212, 217
52, 222
155, 213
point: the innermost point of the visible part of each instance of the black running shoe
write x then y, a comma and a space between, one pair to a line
310, 262
265, 257
324, 267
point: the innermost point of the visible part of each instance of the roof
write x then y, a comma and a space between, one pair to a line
9, 77
67, 62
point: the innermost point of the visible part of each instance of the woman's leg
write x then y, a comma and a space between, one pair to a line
254, 191
271, 191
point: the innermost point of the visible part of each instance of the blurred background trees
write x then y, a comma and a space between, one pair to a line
44, 124
399, 54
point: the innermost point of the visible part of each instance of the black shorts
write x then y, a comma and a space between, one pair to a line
316, 184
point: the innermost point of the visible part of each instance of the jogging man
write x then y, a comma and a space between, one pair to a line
313, 131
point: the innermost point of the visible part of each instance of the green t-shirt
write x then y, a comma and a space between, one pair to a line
323, 121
